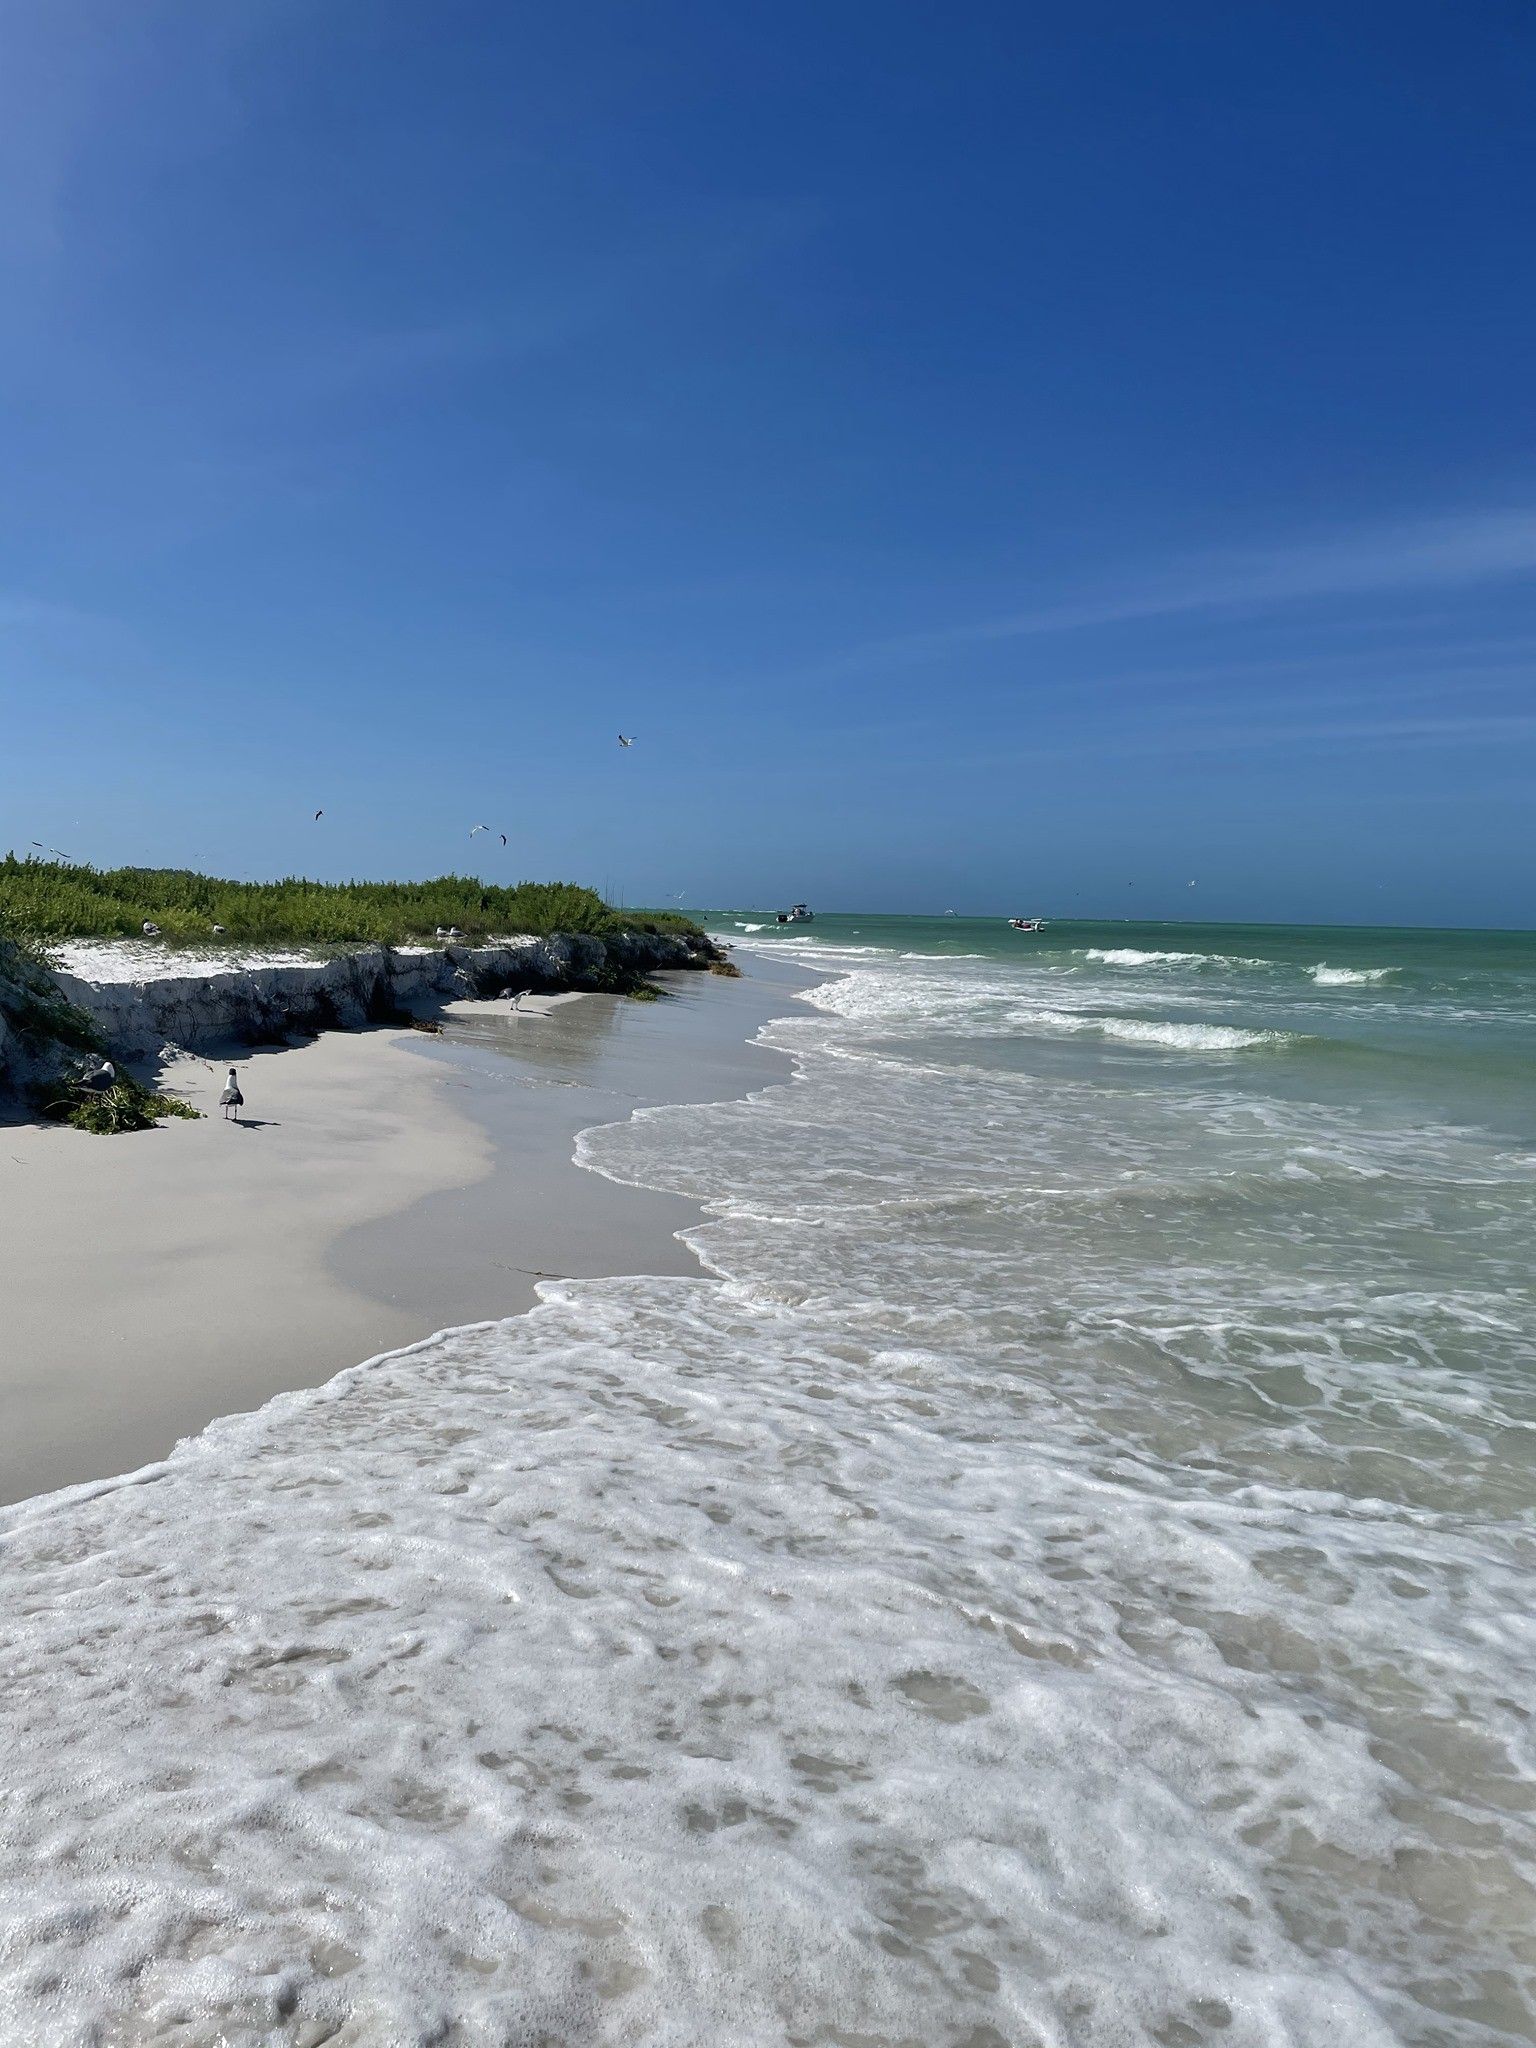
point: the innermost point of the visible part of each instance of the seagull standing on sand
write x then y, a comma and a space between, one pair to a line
231, 1098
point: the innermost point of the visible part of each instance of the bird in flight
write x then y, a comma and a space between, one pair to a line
478, 828
503, 837
623, 742
319, 814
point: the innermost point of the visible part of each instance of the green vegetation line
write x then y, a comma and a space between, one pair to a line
54, 900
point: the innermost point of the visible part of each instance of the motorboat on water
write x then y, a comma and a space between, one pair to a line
1026, 924
797, 914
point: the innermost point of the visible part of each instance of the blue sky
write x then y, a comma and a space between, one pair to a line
988, 455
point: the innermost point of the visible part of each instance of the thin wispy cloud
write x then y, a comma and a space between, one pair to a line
1404, 557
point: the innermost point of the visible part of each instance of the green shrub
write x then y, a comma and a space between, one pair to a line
30, 1002
55, 900
126, 1106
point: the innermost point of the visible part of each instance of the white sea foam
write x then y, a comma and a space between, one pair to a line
946, 1000
1348, 977
1136, 956
1190, 1037
655, 1671
1064, 1582
1172, 1034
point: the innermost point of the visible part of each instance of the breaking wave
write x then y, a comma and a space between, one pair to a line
1136, 956
1349, 977
1172, 1034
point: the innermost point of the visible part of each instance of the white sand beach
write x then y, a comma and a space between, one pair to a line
155, 1281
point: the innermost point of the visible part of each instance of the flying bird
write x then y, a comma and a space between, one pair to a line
478, 828
503, 838
319, 814
623, 742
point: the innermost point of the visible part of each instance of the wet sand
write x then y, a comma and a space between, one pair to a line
383, 1185
477, 1250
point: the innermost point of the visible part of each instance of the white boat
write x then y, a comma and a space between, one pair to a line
797, 914
1026, 924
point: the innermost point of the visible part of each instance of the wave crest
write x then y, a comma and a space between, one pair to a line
1348, 977
1166, 1032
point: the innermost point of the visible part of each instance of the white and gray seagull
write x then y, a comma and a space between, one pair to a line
150, 929
231, 1098
623, 742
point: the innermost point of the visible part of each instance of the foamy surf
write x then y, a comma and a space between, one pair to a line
1136, 956
1166, 1034
1063, 1579
1180, 1037
1349, 977
649, 1670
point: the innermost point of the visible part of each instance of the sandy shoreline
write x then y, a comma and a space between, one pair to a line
383, 1186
